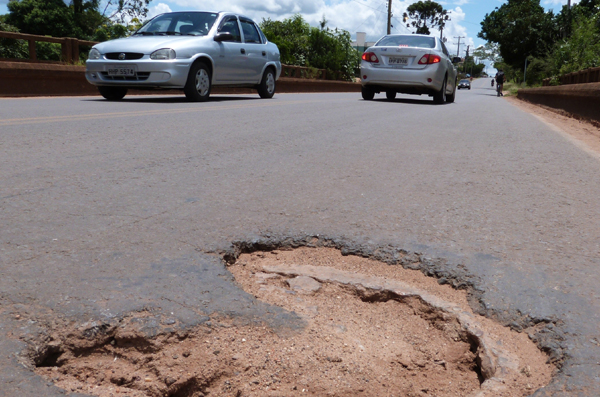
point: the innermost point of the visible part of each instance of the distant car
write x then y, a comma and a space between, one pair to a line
464, 84
409, 64
191, 51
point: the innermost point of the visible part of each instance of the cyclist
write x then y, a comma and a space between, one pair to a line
500, 82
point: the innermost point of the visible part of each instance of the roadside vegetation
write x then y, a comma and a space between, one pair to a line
315, 47
521, 34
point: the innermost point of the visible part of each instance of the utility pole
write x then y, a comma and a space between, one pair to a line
389, 25
458, 50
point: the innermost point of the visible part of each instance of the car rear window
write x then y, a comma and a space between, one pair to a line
406, 41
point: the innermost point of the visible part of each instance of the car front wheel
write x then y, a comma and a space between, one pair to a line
113, 93
197, 88
367, 93
266, 88
390, 95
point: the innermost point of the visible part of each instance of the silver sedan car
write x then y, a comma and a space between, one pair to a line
409, 64
191, 51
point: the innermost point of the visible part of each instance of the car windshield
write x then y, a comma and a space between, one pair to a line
406, 41
179, 23
464, 81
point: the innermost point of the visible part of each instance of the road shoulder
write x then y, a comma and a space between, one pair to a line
582, 133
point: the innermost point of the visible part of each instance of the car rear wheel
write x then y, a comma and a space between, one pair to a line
440, 96
197, 88
367, 93
266, 88
450, 98
390, 95
113, 93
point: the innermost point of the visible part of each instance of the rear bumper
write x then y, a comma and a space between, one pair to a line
406, 81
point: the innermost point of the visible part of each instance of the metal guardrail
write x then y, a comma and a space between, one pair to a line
590, 75
70, 46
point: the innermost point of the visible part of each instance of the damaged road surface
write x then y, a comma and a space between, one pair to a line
154, 247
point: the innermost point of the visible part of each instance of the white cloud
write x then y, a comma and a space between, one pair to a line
160, 8
369, 16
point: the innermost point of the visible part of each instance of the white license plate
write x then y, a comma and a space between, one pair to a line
398, 61
121, 71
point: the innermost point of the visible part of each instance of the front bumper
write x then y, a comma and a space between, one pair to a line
149, 73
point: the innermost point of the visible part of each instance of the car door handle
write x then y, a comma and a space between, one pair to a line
242, 51
264, 53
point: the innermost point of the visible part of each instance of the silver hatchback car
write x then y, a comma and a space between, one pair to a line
191, 51
409, 64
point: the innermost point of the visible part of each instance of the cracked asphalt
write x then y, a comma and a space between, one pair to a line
108, 208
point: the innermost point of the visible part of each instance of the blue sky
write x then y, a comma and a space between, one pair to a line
368, 16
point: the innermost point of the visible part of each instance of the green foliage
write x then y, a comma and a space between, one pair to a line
332, 50
582, 49
426, 12
315, 47
42, 17
291, 36
81, 19
11, 48
521, 28
538, 69
489, 52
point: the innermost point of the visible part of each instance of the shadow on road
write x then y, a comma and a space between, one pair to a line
405, 100
171, 99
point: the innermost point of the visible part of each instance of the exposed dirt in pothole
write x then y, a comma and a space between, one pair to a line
372, 330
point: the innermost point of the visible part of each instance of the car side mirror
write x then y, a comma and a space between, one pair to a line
223, 36
456, 60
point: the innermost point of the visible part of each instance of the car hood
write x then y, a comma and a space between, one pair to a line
149, 44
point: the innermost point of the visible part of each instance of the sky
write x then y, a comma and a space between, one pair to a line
369, 16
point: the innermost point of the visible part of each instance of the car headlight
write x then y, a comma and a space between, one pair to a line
94, 54
163, 53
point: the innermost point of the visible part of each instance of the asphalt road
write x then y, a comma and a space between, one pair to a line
111, 207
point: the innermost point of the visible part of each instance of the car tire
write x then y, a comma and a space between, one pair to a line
266, 88
450, 98
390, 95
440, 96
113, 93
198, 86
367, 93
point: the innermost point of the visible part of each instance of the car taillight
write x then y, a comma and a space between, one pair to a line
370, 57
429, 59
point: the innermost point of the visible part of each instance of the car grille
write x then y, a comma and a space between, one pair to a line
128, 55
139, 76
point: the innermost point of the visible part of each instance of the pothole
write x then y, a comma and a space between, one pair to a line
372, 329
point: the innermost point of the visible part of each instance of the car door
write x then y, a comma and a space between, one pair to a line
256, 50
231, 62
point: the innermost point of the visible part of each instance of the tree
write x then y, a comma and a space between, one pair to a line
81, 18
426, 12
122, 11
43, 17
317, 47
488, 52
582, 49
11, 48
521, 28
291, 36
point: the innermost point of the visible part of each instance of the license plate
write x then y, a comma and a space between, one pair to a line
121, 71
398, 61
